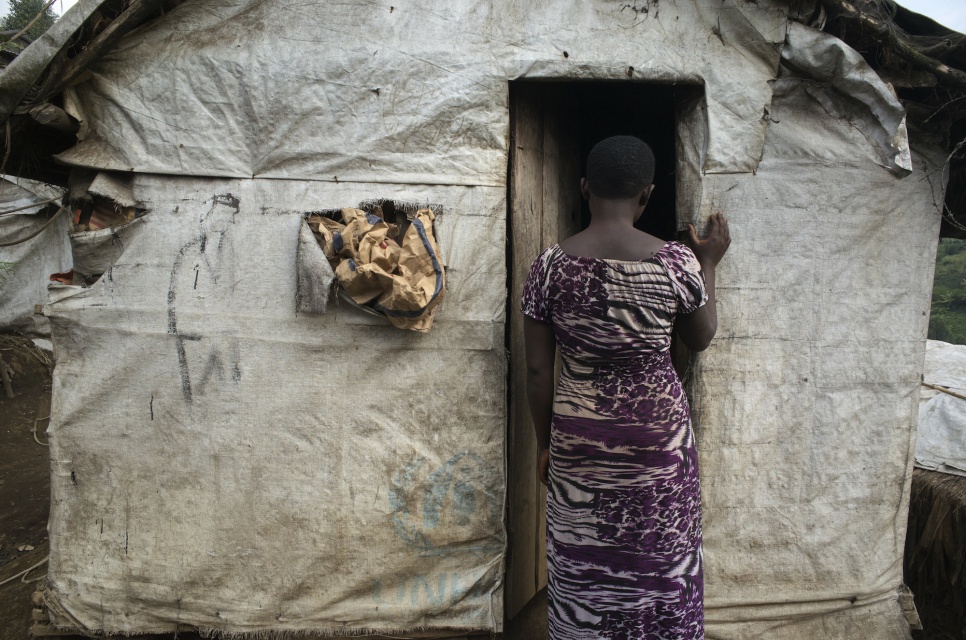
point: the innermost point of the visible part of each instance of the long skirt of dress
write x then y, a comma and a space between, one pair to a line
624, 506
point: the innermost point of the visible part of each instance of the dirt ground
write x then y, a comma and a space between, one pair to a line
24, 483
25, 503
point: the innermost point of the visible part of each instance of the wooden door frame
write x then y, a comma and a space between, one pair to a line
544, 208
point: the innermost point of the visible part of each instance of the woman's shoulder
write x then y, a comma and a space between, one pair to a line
543, 264
678, 254
549, 255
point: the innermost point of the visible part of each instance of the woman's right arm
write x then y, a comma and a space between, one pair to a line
541, 348
698, 328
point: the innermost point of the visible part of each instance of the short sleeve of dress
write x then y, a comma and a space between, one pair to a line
686, 278
534, 299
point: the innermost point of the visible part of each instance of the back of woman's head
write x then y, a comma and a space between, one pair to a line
619, 167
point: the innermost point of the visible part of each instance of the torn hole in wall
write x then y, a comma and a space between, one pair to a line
384, 258
104, 214
102, 200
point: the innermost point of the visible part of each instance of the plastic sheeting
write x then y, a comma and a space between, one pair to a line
805, 404
881, 117
95, 251
315, 275
225, 460
24, 70
409, 93
941, 441
26, 267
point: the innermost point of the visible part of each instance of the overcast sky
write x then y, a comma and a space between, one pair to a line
951, 13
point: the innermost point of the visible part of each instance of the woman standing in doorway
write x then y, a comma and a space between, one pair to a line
617, 452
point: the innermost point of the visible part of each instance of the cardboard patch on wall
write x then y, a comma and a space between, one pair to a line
386, 260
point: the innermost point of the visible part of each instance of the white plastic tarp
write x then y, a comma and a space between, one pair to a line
941, 441
25, 268
805, 404
823, 57
224, 461
412, 92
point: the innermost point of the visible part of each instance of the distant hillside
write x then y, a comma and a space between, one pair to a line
948, 319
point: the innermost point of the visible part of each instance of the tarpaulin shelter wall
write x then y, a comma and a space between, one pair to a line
26, 266
224, 462
941, 436
806, 404
291, 471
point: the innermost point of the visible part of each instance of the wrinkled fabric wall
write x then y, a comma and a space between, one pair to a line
806, 402
414, 92
224, 461
27, 266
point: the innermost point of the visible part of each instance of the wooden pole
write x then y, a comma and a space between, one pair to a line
63, 75
7, 387
945, 390
901, 44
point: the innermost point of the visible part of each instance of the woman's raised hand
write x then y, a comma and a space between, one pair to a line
710, 249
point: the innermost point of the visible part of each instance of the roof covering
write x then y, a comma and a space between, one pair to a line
926, 64
923, 60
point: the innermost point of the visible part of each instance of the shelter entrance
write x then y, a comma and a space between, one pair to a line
553, 127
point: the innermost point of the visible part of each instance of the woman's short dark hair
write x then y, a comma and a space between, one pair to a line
619, 167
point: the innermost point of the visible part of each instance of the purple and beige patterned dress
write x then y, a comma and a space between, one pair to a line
624, 504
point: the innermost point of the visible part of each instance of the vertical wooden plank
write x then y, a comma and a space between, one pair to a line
569, 172
561, 167
690, 123
526, 222
549, 234
561, 204
544, 209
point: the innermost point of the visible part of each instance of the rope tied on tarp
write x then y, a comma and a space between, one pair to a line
34, 234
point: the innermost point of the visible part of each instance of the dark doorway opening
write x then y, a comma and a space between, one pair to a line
642, 110
553, 126
585, 113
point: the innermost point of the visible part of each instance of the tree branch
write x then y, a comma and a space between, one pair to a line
135, 13
848, 11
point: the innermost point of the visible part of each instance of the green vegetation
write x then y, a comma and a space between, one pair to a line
22, 12
947, 321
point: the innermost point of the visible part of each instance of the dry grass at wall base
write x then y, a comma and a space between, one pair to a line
935, 557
